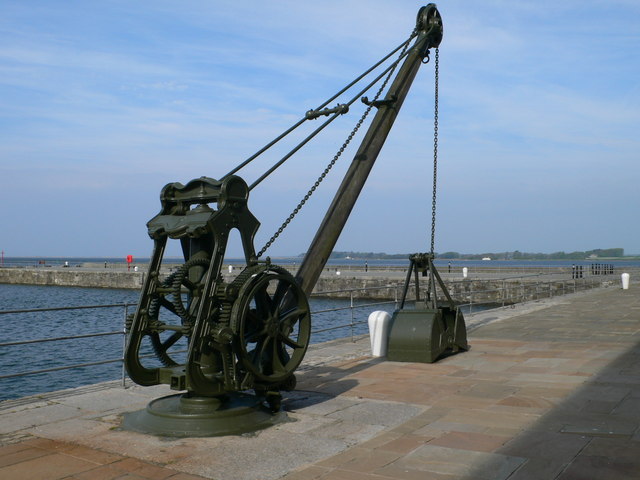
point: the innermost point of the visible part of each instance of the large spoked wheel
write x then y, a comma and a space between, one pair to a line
186, 290
161, 345
272, 323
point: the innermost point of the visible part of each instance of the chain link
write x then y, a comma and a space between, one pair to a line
435, 154
336, 156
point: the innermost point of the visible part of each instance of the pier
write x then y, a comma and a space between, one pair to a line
496, 285
549, 389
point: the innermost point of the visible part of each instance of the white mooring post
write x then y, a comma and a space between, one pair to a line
379, 322
625, 281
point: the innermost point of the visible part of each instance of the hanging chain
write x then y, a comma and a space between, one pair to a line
435, 155
336, 156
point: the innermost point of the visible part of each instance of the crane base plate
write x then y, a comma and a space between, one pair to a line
183, 415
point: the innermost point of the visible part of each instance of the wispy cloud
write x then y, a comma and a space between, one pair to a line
539, 103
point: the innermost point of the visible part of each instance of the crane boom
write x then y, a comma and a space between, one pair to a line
429, 30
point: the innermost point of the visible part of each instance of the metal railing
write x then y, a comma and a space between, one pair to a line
541, 289
125, 311
124, 306
532, 291
353, 296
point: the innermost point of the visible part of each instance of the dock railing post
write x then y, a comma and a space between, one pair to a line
124, 340
352, 318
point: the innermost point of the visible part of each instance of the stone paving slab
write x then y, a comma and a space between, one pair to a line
547, 391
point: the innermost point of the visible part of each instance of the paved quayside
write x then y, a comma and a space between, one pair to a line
549, 390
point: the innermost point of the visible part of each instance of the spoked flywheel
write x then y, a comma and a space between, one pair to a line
272, 323
159, 345
185, 287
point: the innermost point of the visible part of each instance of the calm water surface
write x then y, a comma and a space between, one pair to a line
18, 327
40, 356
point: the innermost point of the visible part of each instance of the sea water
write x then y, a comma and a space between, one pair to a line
18, 327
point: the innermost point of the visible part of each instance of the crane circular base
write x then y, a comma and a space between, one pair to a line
183, 415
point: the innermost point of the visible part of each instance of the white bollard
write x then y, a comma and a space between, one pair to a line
379, 322
465, 270
230, 268
625, 281
135, 269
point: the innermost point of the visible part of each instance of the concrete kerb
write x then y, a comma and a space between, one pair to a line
90, 416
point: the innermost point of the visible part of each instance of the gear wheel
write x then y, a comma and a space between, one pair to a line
186, 277
160, 347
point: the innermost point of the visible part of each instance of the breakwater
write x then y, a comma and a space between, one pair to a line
72, 277
466, 291
489, 286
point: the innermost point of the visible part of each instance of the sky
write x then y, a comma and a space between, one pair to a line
103, 103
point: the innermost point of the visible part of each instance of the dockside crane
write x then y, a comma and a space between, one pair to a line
245, 337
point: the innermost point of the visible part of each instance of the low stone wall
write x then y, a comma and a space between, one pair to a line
345, 287
507, 292
491, 291
379, 287
71, 278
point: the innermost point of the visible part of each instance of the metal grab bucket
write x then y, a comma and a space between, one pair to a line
424, 335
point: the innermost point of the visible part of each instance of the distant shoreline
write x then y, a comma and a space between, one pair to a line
299, 258
56, 261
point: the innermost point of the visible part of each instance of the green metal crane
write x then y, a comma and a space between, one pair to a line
245, 337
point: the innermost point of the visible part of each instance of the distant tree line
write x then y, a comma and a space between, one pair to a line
515, 255
367, 255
